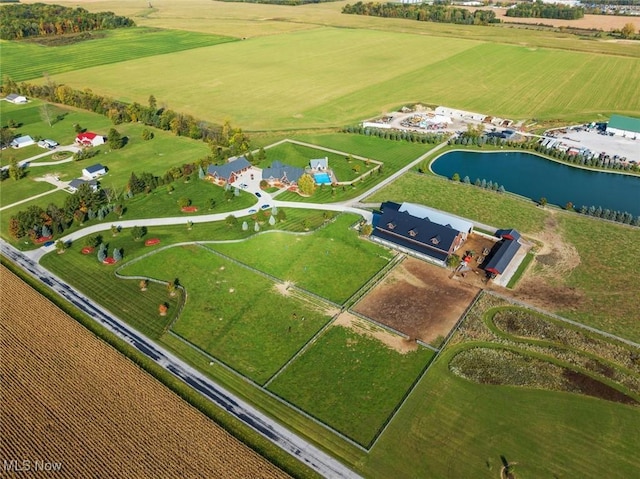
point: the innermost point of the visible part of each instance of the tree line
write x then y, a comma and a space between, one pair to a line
225, 141
413, 137
422, 12
545, 10
19, 21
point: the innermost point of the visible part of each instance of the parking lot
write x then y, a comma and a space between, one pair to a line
591, 139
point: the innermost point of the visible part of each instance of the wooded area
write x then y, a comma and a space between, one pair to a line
423, 13
19, 21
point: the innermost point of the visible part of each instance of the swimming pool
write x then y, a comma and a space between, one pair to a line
322, 178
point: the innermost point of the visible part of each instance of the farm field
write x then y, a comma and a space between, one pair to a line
242, 20
238, 316
124, 421
107, 46
302, 75
347, 365
447, 412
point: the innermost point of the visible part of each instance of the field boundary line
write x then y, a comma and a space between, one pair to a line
266, 391
374, 281
426, 369
302, 349
628, 342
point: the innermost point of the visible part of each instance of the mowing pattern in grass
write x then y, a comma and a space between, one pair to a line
233, 313
303, 76
116, 46
333, 262
451, 427
121, 297
350, 381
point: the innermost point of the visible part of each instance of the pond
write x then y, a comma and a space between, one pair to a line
535, 177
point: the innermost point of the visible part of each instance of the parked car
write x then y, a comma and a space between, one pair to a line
252, 211
258, 194
264, 207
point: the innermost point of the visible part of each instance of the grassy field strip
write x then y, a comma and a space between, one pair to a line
567, 321
113, 46
299, 353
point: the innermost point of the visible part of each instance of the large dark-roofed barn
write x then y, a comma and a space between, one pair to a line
420, 231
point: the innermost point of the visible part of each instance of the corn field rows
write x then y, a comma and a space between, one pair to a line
67, 397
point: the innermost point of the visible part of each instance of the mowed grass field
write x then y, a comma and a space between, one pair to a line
451, 428
233, 313
297, 80
111, 46
333, 262
344, 368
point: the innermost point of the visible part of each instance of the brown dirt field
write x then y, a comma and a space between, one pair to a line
67, 397
600, 22
418, 299
543, 285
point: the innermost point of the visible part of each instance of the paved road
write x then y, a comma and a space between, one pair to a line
289, 442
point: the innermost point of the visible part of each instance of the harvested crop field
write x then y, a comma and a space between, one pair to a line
68, 398
418, 299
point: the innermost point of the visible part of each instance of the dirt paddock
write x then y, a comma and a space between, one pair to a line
418, 299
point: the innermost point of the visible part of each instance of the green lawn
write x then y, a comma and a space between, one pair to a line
121, 297
233, 313
333, 262
300, 155
452, 428
12, 190
112, 46
350, 381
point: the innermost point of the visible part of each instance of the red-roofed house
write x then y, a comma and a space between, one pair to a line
89, 139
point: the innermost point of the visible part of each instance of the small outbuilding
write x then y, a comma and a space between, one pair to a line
319, 164
94, 171
15, 98
501, 256
22, 141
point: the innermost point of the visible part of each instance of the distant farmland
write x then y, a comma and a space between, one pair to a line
331, 77
108, 47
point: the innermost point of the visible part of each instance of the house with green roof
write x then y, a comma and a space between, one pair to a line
624, 126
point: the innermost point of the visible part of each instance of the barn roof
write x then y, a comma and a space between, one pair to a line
418, 234
501, 256
435, 216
